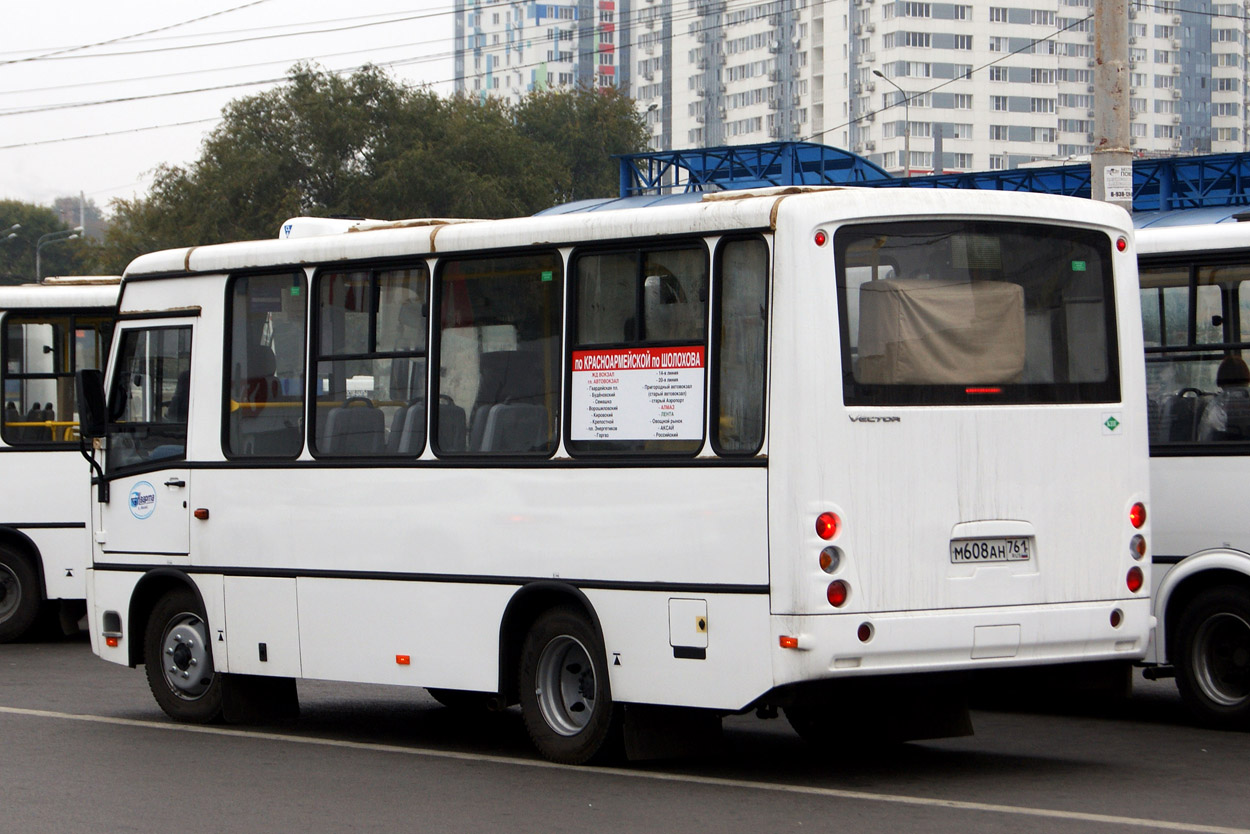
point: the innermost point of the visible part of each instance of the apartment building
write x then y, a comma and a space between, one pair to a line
506, 49
916, 87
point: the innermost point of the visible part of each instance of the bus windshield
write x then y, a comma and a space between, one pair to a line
949, 313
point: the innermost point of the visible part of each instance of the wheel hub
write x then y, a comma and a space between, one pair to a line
188, 668
566, 686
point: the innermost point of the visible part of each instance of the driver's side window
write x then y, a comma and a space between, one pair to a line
148, 404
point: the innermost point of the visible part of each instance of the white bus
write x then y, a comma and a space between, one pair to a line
1195, 290
821, 450
50, 330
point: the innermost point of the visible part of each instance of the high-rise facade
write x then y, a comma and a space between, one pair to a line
506, 49
914, 86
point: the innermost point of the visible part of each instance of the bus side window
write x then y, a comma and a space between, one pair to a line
498, 383
370, 363
40, 355
265, 357
742, 346
639, 346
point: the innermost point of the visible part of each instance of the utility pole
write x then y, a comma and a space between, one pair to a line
1111, 160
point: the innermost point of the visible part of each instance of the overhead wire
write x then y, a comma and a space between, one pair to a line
65, 50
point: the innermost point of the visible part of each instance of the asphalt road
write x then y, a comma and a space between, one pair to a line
83, 747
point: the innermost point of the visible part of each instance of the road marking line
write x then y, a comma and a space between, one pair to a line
710, 781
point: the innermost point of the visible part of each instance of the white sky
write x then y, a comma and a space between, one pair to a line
412, 39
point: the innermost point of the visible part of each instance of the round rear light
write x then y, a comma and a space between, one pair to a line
1137, 515
1117, 617
837, 593
1135, 579
864, 633
828, 525
821, 238
1121, 244
830, 559
1137, 546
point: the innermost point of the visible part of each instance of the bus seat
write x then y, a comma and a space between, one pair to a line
915, 331
1226, 417
1180, 413
354, 428
452, 427
515, 427
514, 376
407, 434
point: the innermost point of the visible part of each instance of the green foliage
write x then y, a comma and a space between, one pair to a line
17, 253
367, 145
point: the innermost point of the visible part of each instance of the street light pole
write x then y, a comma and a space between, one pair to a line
906, 121
49, 239
10, 233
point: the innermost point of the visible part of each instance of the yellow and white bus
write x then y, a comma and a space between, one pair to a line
50, 330
820, 450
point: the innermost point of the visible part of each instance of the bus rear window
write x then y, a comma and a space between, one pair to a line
954, 312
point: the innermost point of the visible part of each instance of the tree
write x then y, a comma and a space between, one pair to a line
17, 253
583, 129
367, 145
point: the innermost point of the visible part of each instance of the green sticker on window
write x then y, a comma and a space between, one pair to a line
1078, 266
294, 291
546, 275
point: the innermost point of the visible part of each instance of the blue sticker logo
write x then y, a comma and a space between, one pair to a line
142, 500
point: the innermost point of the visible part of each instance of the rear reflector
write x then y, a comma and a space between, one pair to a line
788, 642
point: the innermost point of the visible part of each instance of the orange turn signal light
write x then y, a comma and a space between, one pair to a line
111, 642
788, 642
403, 660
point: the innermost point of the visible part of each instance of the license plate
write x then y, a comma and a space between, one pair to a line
990, 550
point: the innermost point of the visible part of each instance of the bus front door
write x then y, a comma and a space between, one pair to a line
147, 515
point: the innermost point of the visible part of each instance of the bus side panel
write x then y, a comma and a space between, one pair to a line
682, 525
43, 488
1189, 510
407, 633
656, 657
66, 554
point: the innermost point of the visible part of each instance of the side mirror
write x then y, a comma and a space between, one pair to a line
92, 413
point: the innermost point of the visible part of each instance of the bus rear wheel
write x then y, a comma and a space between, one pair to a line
1213, 657
178, 660
19, 595
565, 698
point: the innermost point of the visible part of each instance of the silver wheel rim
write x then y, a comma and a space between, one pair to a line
10, 593
566, 686
1222, 659
185, 660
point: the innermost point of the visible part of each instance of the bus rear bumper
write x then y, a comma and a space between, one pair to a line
836, 645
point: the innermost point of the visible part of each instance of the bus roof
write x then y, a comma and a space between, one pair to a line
709, 213
66, 292
1195, 230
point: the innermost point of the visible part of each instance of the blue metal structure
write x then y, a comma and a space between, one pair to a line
744, 166
1158, 184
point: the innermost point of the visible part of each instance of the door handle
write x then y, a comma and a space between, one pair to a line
175, 482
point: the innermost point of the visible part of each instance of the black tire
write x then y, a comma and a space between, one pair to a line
462, 700
565, 697
178, 660
20, 595
1212, 657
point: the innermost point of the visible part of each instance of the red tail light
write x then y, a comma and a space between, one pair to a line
1135, 579
1137, 515
837, 593
828, 525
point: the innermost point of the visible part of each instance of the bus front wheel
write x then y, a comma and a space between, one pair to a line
178, 660
565, 698
19, 595
1213, 657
